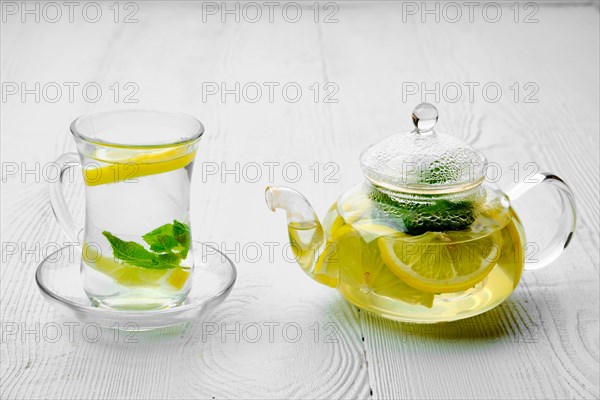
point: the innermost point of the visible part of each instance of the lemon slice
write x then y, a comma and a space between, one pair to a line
441, 262
117, 165
354, 205
131, 276
360, 265
332, 221
370, 231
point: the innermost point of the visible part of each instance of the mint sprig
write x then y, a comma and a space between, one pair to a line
418, 217
169, 245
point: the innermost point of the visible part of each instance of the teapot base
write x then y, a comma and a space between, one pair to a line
445, 308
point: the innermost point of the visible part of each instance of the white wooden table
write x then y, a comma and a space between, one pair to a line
541, 343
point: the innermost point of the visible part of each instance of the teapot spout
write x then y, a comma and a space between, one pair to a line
305, 232
298, 209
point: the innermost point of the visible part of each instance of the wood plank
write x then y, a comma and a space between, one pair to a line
542, 342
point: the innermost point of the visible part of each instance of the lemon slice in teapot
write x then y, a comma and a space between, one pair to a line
356, 256
438, 262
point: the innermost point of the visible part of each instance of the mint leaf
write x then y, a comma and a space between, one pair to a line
169, 244
181, 233
169, 237
418, 217
169, 260
161, 239
132, 253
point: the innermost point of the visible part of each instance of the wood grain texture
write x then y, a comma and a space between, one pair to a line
541, 343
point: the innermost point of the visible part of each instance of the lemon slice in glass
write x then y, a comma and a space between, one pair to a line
441, 262
132, 276
116, 165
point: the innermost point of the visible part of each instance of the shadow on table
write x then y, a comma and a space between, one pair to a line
510, 321
514, 320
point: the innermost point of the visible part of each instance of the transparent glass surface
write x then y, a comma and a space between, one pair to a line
424, 239
390, 261
58, 277
137, 252
423, 159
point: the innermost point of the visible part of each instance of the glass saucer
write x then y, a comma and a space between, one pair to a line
59, 280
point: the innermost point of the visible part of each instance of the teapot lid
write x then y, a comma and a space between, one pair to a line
423, 160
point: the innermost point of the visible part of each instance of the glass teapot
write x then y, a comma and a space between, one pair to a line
425, 239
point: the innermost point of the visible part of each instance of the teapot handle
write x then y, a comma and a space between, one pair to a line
564, 234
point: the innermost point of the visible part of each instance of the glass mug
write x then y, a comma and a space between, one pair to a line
137, 165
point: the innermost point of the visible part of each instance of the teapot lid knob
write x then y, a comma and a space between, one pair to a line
425, 117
